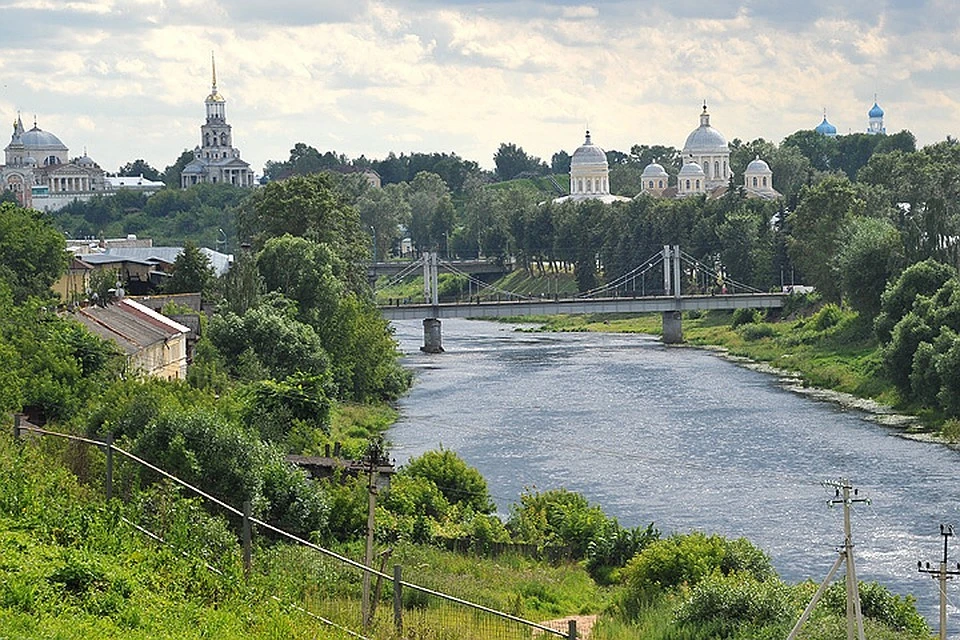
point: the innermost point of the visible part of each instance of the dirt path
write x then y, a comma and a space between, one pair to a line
584, 625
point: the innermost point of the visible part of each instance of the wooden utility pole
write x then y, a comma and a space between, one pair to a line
374, 459
842, 496
942, 574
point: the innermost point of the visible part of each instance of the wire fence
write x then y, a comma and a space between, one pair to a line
397, 609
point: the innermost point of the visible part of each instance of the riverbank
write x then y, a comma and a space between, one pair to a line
828, 355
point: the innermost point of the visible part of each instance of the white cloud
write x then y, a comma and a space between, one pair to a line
423, 75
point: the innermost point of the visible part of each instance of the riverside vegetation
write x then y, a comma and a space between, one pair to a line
297, 357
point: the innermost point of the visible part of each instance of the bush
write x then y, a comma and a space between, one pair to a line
731, 601
559, 518
459, 483
686, 559
745, 316
828, 316
877, 603
757, 331
920, 279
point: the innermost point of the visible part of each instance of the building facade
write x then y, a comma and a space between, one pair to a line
38, 170
215, 159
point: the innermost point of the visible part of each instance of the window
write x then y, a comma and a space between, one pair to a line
698, 185
754, 181
764, 180
579, 185
688, 185
716, 169
651, 184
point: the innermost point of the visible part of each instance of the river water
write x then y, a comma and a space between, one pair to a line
682, 438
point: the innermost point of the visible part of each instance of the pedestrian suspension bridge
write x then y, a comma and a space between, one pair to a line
679, 271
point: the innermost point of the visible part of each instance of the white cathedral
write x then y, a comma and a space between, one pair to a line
215, 159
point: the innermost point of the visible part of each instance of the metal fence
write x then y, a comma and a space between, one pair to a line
400, 610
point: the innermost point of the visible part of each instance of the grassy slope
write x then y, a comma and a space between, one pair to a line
70, 569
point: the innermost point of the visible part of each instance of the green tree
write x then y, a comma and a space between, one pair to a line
171, 174
512, 161
191, 271
867, 259
431, 212
32, 253
816, 230
458, 482
139, 167
308, 207
920, 279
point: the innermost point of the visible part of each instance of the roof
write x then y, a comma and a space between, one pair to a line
133, 182
654, 170
130, 324
152, 255
588, 154
705, 139
36, 137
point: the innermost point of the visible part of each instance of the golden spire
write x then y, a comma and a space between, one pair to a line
213, 66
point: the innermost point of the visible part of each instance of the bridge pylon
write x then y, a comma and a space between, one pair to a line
432, 336
672, 320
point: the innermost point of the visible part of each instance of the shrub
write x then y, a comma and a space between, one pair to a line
757, 331
920, 279
745, 316
557, 518
877, 603
458, 482
731, 601
688, 559
828, 316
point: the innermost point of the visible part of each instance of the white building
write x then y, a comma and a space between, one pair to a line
38, 170
707, 147
590, 175
215, 159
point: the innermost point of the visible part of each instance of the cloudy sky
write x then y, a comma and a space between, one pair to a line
126, 79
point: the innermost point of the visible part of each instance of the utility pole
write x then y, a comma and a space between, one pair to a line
842, 496
942, 574
374, 459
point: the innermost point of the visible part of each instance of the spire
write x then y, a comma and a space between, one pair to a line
704, 116
587, 140
213, 67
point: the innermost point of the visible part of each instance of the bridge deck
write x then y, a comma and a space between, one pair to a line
576, 306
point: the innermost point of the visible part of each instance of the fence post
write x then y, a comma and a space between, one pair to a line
108, 481
571, 630
16, 425
398, 598
247, 539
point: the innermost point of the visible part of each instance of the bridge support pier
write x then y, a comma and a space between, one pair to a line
432, 339
672, 327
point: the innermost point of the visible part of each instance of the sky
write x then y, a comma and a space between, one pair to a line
126, 79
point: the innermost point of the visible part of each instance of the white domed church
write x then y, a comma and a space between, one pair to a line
590, 175
38, 170
706, 169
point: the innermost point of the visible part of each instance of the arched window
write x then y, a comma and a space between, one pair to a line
754, 181
660, 184
688, 185
698, 185
206, 139
716, 169
223, 139
764, 180
579, 185
724, 168
651, 184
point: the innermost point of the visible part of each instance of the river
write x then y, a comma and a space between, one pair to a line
682, 438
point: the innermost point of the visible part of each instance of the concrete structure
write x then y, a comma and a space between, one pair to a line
154, 345
215, 159
134, 183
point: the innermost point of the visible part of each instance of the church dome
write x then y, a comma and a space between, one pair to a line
705, 140
691, 170
215, 97
654, 170
37, 138
758, 166
588, 154
825, 128
875, 111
